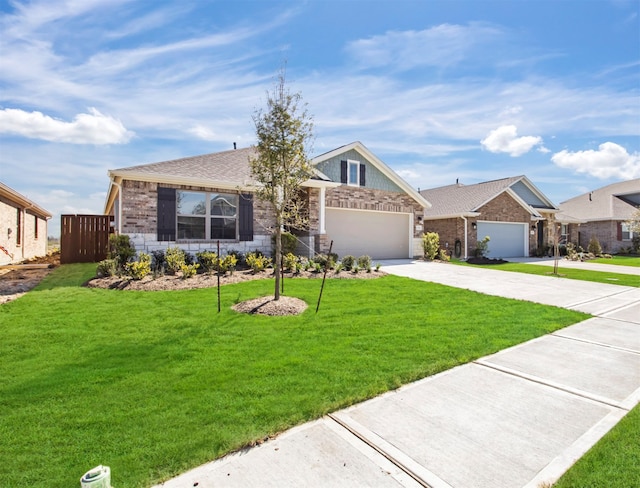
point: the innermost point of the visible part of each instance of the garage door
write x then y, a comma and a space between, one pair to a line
380, 235
507, 240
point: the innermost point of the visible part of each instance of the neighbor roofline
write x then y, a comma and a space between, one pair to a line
462, 215
23, 201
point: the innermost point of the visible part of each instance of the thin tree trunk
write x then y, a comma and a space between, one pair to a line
277, 260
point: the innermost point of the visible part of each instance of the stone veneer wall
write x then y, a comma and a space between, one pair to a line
140, 221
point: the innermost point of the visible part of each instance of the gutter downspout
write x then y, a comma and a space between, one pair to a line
465, 237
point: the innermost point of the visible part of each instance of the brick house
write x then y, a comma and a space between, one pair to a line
603, 214
23, 227
354, 200
511, 211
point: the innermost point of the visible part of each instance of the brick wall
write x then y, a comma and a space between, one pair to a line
30, 246
605, 231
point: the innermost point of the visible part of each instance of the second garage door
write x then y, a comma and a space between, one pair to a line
508, 240
381, 235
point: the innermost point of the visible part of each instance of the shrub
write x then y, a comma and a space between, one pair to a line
158, 261
482, 247
208, 260
289, 243
189, 270
238, 255
443, 256
326, 260
289, 262
636, 243
364, 262
120, 248
378, 266
175, 258
107, 267
348, 262
430, 245
228, 263
594, 246
257, 262
140, 268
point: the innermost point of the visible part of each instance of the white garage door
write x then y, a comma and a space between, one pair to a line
380, 235
507, 240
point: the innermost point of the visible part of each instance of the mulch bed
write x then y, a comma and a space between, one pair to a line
486, 261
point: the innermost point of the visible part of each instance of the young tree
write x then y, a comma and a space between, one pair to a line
284, 131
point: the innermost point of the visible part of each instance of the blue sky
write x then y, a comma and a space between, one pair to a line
439, 90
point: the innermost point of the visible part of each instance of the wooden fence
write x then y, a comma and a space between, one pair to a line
84, 238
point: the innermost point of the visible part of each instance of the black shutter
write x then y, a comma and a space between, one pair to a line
245, 215
166, 214
363, 179
343, 172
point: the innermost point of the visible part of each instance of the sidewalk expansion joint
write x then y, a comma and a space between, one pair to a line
551, 384
595, 343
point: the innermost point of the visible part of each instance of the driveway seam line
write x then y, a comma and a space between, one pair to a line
595, 343
540, 381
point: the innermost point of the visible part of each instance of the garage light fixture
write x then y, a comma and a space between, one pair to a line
474, 226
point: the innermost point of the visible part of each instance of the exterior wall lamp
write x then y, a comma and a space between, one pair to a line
474, 226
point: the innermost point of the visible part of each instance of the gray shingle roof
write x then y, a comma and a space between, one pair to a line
228, 166
462, 199
611, 202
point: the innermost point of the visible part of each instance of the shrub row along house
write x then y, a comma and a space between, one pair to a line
23, 227
354, 200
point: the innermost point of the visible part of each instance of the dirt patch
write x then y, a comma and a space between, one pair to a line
269, 306
16, 280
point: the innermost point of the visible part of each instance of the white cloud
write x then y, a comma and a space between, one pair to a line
609, 161
202, 132
505, 139
90, 128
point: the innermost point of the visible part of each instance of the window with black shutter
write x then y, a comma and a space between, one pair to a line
246, 217
166, 214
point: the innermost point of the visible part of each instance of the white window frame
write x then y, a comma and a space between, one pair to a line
350, 163
626, 229
207, 216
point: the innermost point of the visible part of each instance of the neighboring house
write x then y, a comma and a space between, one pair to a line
604, 213
23, 227
354, 200
511, 211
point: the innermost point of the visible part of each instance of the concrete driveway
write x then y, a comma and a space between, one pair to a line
517, 418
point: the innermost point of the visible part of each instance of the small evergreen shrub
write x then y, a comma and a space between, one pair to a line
289, 262
238, 255
175, 258
482, 247
208, 261
257, 262
120, 248
140, 268
158, 262
348, 262
227, 264
189, 270
326, 260
107, 267
364, 262
444, 256
289, 243
594, 246
430, 245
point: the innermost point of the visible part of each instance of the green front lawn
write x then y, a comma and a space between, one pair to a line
154, 383
612, 462
619, 260
563, 272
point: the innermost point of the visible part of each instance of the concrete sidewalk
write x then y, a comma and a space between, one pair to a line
586, 265
517, 418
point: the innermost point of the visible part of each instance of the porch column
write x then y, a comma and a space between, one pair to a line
321, 217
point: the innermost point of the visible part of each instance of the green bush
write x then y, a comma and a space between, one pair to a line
107, 267
430, 245
227, 264
289, 262
175, 259
120, 248
594, 246
326, 260
444, 256
140, 268
289, 243
208, 260
257, 261
482, 247
348, 262
364, 262
189, 270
